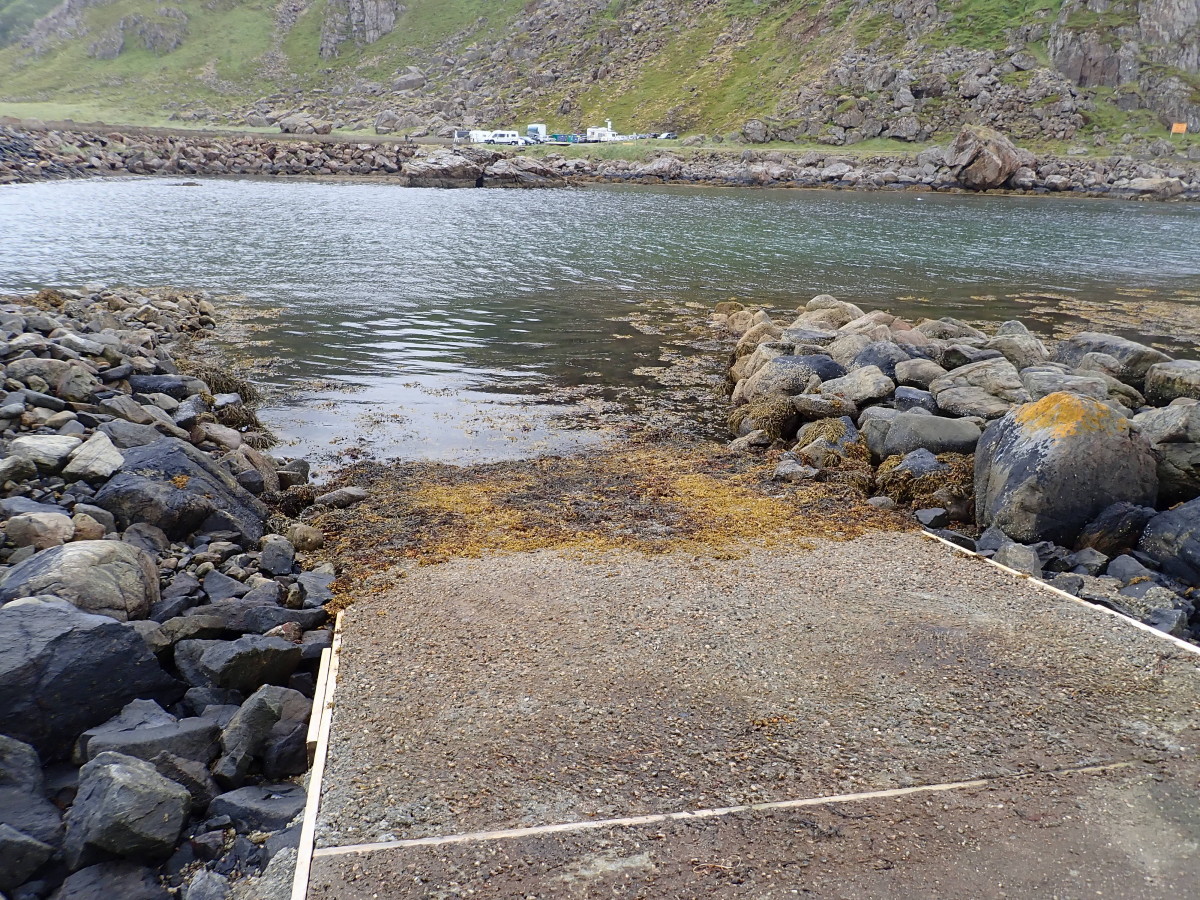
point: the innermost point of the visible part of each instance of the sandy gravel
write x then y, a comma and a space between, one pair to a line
538, 688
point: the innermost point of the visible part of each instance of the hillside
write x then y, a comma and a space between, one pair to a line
830, 71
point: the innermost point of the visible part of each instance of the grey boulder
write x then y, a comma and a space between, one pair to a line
124, 808
1174, 432
265, 807
1135, 359
988, 389
110, 578
1048, 468
1167, 381
93, 460
913, 431
860, 387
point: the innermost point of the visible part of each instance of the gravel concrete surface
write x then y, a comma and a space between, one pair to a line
538, 688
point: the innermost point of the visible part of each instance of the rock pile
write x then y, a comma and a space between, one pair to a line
1076, 461
978, 159
40, 155
159, 639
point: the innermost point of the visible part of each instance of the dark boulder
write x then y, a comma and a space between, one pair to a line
1046, 469
1117, 529
63, 670
180, 387
882, 354
241, 665
112, 881
174, 486
1172, 539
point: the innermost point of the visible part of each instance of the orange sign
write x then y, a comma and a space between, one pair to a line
1179, 128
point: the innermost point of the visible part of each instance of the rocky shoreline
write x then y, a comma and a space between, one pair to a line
1075, 461
977, 160
161, 613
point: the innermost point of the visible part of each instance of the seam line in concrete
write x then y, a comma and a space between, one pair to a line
652, 819
1037, 582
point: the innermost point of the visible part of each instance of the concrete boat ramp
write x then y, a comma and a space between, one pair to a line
882, 717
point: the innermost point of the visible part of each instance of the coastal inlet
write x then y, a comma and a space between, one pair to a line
474, 325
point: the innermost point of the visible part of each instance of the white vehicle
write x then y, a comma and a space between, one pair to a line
480, 137
536, 132
506, 137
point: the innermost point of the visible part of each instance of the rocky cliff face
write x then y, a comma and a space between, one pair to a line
359, 22
1148, 52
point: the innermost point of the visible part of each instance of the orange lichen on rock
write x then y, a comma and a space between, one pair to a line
1063, 415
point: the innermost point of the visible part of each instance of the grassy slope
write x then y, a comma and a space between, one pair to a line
17, 15
695, 82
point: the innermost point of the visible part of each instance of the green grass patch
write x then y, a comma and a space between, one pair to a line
16, 16
985, 24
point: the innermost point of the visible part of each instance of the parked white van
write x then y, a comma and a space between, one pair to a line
506, 137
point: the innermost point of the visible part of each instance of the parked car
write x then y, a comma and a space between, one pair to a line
668, 136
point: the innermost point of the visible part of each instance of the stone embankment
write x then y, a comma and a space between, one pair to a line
1077, 461
159, 632
978, 159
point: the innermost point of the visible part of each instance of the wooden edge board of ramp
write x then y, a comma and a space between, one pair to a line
658, 818
323, 716
1037, 582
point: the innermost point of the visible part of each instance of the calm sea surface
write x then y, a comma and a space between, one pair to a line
464, 325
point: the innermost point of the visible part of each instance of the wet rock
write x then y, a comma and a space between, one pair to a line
123, 808
911, 398
267, 807
240, 665
176, 487
179, 387
63, 670
105, 577
1048, 468
1172, 538
1166, 381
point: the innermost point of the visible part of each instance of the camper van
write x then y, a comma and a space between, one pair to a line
506, 137
480, 137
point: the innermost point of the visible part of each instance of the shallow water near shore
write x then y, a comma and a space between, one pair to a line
475, 325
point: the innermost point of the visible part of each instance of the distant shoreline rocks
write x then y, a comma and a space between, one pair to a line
977, 160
